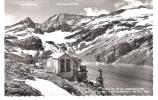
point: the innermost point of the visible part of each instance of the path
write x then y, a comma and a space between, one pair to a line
47, 88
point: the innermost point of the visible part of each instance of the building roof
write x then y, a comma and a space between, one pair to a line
57, 55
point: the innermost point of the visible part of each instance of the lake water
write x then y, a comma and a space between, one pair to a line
124, 79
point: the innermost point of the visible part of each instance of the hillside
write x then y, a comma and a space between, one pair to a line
124, 36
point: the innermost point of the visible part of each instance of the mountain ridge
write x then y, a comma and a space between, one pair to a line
108, 38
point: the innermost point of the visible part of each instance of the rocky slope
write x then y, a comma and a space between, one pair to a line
124, 36
15, 75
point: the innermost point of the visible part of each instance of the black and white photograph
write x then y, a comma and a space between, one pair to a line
78, 48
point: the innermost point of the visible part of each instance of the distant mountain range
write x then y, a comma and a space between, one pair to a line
122, 36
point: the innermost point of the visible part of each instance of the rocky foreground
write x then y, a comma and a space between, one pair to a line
18, 73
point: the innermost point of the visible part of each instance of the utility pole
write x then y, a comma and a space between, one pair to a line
99, 79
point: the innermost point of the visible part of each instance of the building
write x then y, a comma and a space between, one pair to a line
19, 57
64, 65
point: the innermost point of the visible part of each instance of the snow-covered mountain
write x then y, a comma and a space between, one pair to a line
64, 22
26, 37
122, 36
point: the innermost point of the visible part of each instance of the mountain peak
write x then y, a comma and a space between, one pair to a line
27, 20
63, 15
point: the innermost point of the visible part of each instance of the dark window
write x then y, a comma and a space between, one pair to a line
68, 65
62, 65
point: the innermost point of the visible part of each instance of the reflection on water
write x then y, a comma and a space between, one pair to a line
124, 76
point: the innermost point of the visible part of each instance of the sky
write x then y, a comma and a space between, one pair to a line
41, 10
